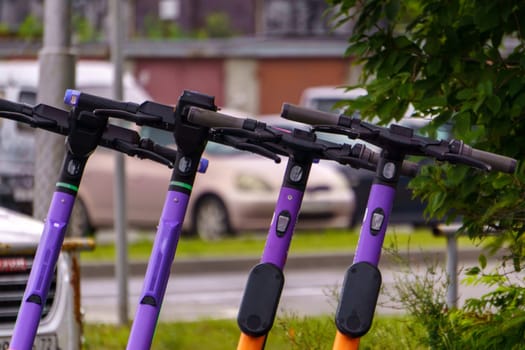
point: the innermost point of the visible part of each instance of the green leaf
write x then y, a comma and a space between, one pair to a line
473, 271
432, 46
482, 261
485, 87
392, 9
466, 94
462, 122
435, 101
493, 103
515, 86
433, 66
479, 103
402, 42
436, 201
501, 181
358, 49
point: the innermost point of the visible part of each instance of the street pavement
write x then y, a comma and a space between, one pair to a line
217, 295
207, 287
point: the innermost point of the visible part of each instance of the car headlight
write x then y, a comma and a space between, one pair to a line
246, 182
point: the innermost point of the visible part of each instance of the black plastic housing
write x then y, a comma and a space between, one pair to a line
261, 299
358, 299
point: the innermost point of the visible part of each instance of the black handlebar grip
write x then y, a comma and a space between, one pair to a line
211, 119
91, 102
308, 116
496, 161
8, 106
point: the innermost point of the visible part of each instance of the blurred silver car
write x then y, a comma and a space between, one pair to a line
60, 325
237, 193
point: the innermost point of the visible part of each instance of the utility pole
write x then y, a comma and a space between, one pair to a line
117, 27
56, 74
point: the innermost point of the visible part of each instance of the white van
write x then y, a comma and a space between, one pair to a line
19, 82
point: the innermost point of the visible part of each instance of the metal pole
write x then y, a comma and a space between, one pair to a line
56, 74
117, 20
452, 270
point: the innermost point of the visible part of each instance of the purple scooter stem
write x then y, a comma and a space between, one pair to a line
41, 274
158, 271
191, 142
375, 222
362, 283
282, 227
266, 280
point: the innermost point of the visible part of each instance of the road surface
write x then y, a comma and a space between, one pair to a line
218, 295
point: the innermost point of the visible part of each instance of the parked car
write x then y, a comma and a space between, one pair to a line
60, 325
406, 209
237, 193
327, 98
19, 82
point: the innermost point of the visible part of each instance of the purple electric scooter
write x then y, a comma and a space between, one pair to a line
85, 131
264, 286
362, 282
191, 141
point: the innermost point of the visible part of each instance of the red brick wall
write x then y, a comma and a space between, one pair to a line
165, 79
283, 80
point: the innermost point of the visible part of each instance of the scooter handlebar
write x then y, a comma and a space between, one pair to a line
213, 119
315, 117
91, 102
9, 106
308, 116
496, 161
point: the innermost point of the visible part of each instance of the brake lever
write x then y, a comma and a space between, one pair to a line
19, 117
259, 150
248, 134
43, 123
440, 150
343, 155
139, 119
455, 158
34, 121
358, 163
134, 150
339, 130
168, 153
243, 144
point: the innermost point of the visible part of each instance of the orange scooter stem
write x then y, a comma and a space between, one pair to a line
344, 342
247, 342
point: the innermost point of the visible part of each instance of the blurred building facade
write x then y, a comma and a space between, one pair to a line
252, 55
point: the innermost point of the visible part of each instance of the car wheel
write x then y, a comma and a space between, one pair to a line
79, 225
210, 218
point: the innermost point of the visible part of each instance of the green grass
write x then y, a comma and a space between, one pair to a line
251, 244
290, 333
